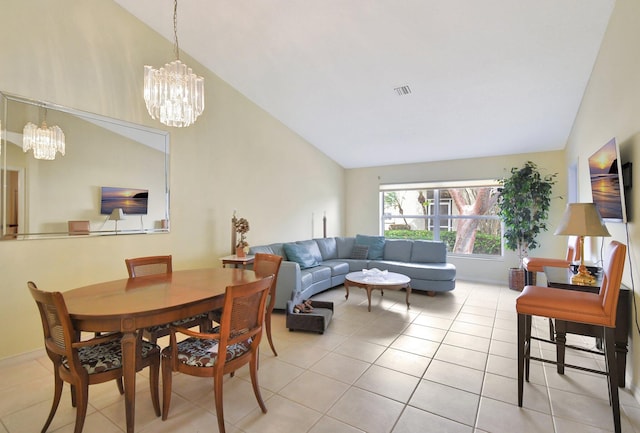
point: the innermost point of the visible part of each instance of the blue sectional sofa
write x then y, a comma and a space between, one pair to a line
312, 266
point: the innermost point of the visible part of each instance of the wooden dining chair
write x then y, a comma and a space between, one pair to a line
88, 362
597, 309
263, 265
238, 338
153, 265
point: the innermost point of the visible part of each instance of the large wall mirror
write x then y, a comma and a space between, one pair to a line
108, 165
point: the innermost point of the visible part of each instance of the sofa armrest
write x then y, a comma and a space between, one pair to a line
288, 282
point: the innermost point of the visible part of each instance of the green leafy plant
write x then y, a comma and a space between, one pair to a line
523, 201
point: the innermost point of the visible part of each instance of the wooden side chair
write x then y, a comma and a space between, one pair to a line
153, 265
597, 309
237, 338
265, 265
84, 363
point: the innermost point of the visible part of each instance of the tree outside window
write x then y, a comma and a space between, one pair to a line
464, 217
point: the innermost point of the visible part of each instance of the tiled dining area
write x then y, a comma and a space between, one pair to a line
448, 364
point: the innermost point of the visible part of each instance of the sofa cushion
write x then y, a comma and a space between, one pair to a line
276, 249
328, 248
375, 244
345, 246
359, 252
428, 252
416, 271
398, 250
302, 254
312, 247
319, 273
338, 267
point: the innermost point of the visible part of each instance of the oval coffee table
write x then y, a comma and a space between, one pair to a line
370, 281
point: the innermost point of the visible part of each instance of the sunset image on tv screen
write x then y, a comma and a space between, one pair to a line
605, 181
132, 201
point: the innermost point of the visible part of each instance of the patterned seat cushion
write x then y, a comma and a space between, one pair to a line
180, 322
203, 353
106, 356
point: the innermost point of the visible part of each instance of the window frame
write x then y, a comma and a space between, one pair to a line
434, 221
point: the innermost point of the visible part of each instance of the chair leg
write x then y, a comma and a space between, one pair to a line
166, 384
82, 399
57, 393
267, 323
154, 374
73, 396
527, 347
561, 341
521, 355
528, 277
217, 393
612, 369
253, 370
120, 386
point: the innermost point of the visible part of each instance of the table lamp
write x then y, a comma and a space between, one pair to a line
116, 215
582, 219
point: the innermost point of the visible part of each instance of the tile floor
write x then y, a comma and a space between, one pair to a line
446, 365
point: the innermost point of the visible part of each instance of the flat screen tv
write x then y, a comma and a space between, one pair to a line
132, 201
607, 188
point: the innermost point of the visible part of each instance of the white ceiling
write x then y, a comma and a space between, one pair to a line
487, 77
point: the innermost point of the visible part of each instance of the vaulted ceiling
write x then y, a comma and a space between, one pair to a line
380, 82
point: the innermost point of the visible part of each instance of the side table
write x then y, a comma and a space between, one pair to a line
236, 261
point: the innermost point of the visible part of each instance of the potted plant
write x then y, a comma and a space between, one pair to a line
241, 226
524, 199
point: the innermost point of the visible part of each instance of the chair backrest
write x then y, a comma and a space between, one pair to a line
59, 333
243, 314
612, 279
151, 265
573, 249
265, 265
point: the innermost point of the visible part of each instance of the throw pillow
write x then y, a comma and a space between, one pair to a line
301, 255
359, 252
375, 244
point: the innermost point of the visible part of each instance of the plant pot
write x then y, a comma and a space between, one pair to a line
516, 279
240, 252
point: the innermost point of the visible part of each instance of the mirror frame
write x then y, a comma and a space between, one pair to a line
163, 142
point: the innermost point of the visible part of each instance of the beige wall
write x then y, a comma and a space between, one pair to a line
364, 207
611, 108
90, 55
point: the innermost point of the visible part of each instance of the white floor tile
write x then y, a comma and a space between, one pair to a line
448, 362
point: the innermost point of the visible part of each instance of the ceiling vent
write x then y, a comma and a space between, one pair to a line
403, 90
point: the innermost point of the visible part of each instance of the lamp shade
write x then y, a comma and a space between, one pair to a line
116, 214
581, 219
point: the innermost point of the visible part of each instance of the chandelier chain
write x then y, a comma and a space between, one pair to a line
175, 28
173, 93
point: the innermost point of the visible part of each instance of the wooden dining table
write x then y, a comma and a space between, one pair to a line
129, 305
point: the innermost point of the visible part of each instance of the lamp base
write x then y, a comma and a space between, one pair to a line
583, 278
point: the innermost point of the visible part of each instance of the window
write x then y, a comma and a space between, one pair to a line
462, 214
